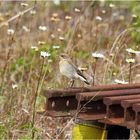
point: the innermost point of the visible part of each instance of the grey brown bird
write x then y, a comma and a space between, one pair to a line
68, 69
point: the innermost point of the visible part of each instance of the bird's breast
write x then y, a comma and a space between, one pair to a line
66, 69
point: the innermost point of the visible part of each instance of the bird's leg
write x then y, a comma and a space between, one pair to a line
72, 83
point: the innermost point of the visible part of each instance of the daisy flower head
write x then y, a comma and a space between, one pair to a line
120, 81
44, 54
97, 55
130, 60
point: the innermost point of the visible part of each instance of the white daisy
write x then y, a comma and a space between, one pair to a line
42, 28
77, 10
56, 46
34, 48
97, 55
44, 54
14, 86
10, 31
130, 60
98, 18
120, 81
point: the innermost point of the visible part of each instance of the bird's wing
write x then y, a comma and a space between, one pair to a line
70, 62
81, 76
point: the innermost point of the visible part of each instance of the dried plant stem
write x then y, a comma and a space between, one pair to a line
3, 75
94, 71
130, 72
118, 38
43, 77
35, 100
6, 65
115, 44
29, 76
16, 16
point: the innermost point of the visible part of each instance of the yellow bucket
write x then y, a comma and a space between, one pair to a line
87, 131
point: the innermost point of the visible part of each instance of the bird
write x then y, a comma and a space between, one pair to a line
68, 69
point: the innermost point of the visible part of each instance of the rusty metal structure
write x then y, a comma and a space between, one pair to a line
111, 104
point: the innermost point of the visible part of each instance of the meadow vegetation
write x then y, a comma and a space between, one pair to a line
34, 33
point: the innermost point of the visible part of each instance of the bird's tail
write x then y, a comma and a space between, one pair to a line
82, 77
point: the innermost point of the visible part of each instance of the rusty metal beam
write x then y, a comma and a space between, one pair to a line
118, 99
92, 111
111, 104
73, 91
129, 113
61, 106
129, 103
112, 121
85, 96
136, 108
115, 109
